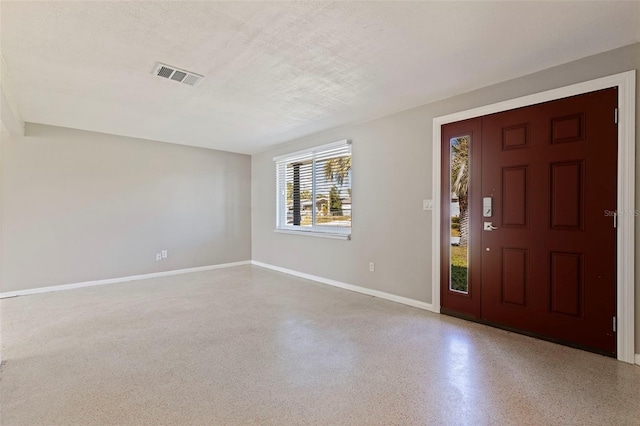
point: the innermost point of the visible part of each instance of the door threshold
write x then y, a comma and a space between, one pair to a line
471, 318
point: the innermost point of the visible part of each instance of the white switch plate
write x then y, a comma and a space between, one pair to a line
371, 267
164, 254
158, 256
427, 204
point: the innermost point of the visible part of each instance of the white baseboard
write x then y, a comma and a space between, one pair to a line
637, 359
358, 289
118, 280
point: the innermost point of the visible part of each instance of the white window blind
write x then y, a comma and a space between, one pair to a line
314, 191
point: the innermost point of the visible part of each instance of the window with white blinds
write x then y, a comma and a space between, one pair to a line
314, 191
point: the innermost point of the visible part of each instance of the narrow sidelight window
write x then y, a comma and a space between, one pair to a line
459, 220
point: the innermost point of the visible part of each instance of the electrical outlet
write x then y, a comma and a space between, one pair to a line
371, 267
158, 256
427, 204
165, 254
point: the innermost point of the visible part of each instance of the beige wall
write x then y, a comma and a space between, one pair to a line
4, 135
80, 206
391, 176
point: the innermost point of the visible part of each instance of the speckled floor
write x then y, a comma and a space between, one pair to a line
247, 345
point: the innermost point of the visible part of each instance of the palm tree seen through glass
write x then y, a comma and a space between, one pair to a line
459, 213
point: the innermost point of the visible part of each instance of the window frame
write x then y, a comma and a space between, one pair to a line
343, 233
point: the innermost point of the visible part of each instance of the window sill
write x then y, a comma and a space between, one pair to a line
333, 235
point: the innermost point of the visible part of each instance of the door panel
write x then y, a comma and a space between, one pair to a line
567, 195
567, 285
514, 197
515, 268
548, 265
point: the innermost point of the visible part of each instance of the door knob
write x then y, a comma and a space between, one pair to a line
488, 226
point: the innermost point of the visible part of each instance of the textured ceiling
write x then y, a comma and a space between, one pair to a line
275, 71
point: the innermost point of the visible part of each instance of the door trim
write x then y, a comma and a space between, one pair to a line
626, 84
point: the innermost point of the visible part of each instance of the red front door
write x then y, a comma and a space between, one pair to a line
547, 258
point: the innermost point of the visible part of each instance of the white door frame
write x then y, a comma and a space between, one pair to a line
626, 84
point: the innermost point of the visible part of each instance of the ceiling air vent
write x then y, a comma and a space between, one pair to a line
173, 73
